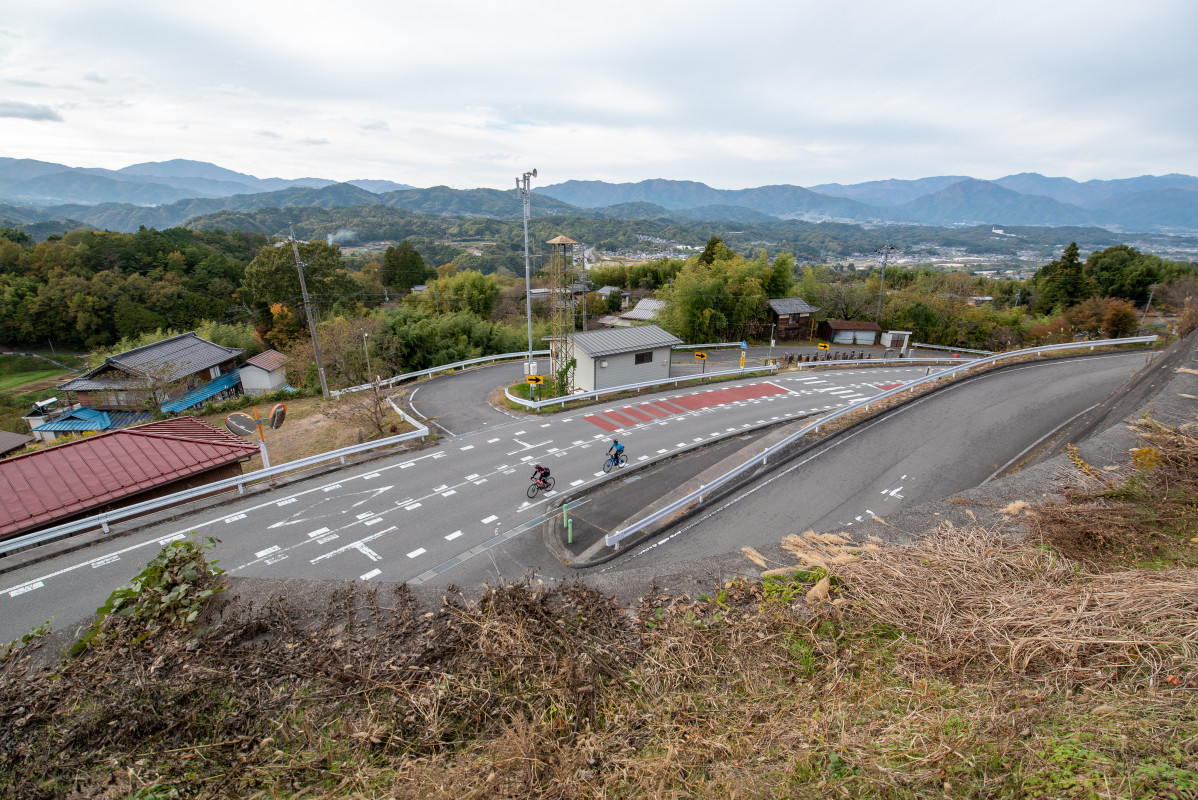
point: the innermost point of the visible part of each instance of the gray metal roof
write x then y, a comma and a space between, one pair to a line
646, 308
792, 305
610, 341
165, 361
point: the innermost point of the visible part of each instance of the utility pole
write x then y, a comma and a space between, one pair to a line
885, 250
299, 265
522, 187
1147, 305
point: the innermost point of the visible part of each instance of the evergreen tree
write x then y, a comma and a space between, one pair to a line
403, 267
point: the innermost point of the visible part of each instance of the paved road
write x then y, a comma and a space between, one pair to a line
457, 403
931, 449
421, 516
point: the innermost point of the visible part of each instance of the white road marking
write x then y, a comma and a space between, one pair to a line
412, 507
577, 482
99, 562
453, 536
371, 475
234, 518
28, 587
417, 552
468, 447
374, 521
447, 494
374, 573
490, 519
480, 480
318, 532
285, 502
330, 488
267, 551
471, 476
663, 450
492, 441
366, 515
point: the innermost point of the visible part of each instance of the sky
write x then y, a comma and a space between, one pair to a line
733, 94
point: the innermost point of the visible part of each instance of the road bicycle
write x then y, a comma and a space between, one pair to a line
536, 486
612, 462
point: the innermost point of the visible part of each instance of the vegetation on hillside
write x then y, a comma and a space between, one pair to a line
985, 662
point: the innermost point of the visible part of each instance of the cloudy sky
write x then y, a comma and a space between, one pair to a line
734, 94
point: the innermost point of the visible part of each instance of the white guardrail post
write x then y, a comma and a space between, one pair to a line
613, 539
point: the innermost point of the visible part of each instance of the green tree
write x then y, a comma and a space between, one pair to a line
1063, 283
403, 267
272, 276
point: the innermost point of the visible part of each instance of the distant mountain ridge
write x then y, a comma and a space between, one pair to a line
166, 193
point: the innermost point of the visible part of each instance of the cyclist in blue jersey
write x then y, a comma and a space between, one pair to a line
616, 450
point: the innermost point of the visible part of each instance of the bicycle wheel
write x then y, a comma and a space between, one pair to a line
623, 460
532, 490
549, 483
607, 465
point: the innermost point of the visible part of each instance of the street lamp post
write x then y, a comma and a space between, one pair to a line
771, 355
522, 187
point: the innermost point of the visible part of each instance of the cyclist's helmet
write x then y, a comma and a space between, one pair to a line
538, 467
615, 442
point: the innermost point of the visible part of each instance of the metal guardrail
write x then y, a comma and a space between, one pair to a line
704, 346
116, 515
613, 539
553, 401
443, 368
917, 346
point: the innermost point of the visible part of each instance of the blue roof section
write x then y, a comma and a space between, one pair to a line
82, 420
198, 395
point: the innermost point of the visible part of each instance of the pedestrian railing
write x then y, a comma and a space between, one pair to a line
613, 539
103, 520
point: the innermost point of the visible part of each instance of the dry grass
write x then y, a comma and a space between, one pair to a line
981, 601
972, 665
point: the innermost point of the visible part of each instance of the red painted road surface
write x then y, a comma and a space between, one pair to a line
680, 405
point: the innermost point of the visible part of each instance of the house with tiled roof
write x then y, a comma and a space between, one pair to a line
84, 477
792, 316
147, 377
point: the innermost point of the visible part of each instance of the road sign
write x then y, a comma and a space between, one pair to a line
744, 345
822, 345
535, 380
277, 415
742, 359
241, 424
701, 356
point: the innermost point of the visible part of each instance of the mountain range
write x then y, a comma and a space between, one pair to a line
168, 193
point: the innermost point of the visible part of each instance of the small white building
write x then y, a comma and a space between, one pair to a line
620, 356
264, 373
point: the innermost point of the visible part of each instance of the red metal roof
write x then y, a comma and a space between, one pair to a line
40, 487
269, 360
852, 325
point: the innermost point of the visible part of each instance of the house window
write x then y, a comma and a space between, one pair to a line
644, 358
